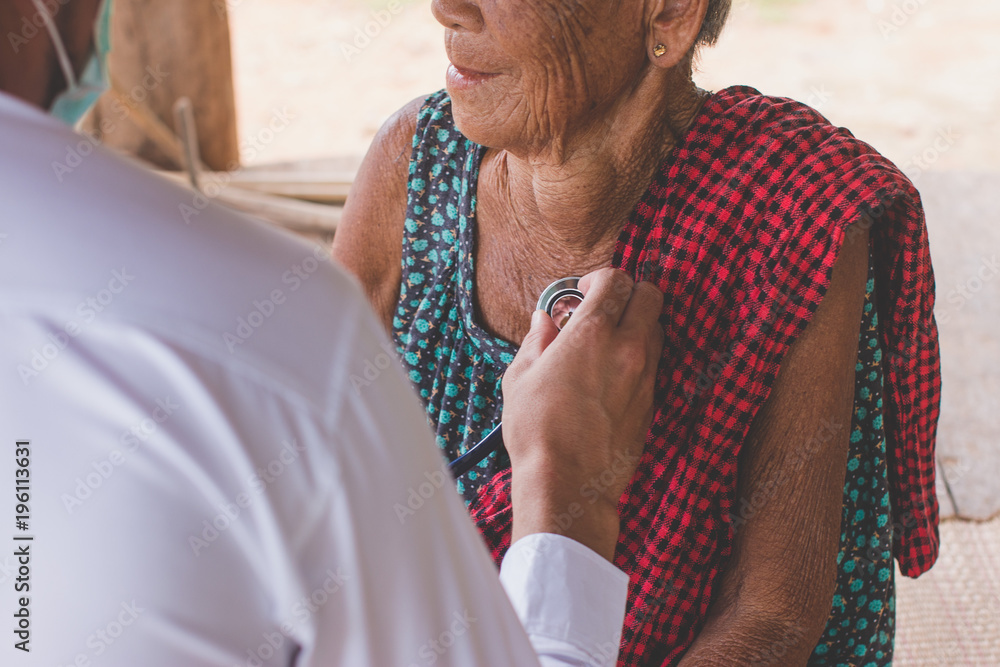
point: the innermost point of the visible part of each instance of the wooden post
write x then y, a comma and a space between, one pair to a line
161, 51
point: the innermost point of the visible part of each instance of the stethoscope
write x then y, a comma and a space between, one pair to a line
560, 300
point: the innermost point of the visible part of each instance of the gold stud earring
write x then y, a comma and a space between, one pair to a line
659, 50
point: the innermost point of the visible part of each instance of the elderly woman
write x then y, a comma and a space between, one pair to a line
791, 455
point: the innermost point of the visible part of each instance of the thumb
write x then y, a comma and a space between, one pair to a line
543, 331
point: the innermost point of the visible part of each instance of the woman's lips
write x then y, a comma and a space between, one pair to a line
463, 78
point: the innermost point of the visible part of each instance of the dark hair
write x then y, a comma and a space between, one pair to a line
715, 19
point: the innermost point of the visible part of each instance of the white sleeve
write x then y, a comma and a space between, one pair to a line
570, 600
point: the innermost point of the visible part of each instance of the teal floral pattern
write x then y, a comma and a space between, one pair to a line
454, 364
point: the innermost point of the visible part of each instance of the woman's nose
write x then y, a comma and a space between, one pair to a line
461, 15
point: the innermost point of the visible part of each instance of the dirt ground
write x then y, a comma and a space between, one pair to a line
918, 79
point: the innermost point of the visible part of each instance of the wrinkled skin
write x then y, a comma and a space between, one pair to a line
564, 68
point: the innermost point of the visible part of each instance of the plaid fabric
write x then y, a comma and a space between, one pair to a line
741, 230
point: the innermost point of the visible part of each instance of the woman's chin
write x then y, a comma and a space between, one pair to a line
475, 118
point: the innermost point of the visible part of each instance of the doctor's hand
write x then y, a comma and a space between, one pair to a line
577, 406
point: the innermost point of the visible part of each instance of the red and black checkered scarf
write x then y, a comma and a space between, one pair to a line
741, 229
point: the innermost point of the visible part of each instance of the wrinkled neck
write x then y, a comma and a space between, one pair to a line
577, 191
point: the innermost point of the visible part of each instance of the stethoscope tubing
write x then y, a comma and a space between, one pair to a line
491, 443
494, 439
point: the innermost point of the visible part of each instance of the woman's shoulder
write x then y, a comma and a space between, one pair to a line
369, 235
784, 167
783, 140
417, 147
747, 115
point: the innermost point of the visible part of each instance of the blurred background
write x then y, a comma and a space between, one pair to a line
309, 83
897, 73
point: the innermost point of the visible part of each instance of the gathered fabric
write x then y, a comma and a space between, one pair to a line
740, 228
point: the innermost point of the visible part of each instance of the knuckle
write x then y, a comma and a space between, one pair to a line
621, 283
611, 307
606, 273
618, 292
615, 281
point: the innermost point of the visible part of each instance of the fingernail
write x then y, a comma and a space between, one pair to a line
536, 317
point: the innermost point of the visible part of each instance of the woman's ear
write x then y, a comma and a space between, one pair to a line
673, 28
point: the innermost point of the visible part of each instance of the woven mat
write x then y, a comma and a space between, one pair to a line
951, 615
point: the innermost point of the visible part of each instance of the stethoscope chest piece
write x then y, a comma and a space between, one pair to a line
560, 300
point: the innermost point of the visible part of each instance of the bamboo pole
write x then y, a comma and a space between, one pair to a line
293, 214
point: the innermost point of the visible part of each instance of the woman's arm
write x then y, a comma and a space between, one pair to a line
774, 599
369, 239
